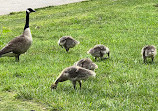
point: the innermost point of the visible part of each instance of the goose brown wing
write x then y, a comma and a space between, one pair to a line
13, 46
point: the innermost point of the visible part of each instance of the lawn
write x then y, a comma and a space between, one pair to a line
123, 82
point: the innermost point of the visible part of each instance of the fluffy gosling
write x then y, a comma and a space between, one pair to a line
67, 42
86, 63
99, 51
74, 74
148, 51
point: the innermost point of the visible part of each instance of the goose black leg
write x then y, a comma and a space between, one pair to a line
95, 58
152, 59
101, 56
67, 49
74, 84
108, 54
80, 84
17, 58
144, 58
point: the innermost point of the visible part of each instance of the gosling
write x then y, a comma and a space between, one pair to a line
148, 51
20, 44
67, 42
74, 74
86, 63
99, 51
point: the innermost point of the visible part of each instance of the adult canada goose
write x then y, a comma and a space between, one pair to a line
67, 42
86, 63
148, 51
20, 44
74, 74
99, 51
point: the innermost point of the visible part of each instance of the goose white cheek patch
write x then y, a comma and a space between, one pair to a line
28, 11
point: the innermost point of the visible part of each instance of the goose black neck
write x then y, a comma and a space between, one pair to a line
27, 21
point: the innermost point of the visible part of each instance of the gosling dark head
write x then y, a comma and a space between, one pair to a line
53, 86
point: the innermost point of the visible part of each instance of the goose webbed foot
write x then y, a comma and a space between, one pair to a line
105, 58
67, 50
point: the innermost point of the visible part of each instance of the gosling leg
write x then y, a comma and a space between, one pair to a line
144, 59
80, 84
108, 54
67, 49
152, 59
17, 58
74, 84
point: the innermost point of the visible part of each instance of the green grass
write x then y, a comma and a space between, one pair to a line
122, 82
